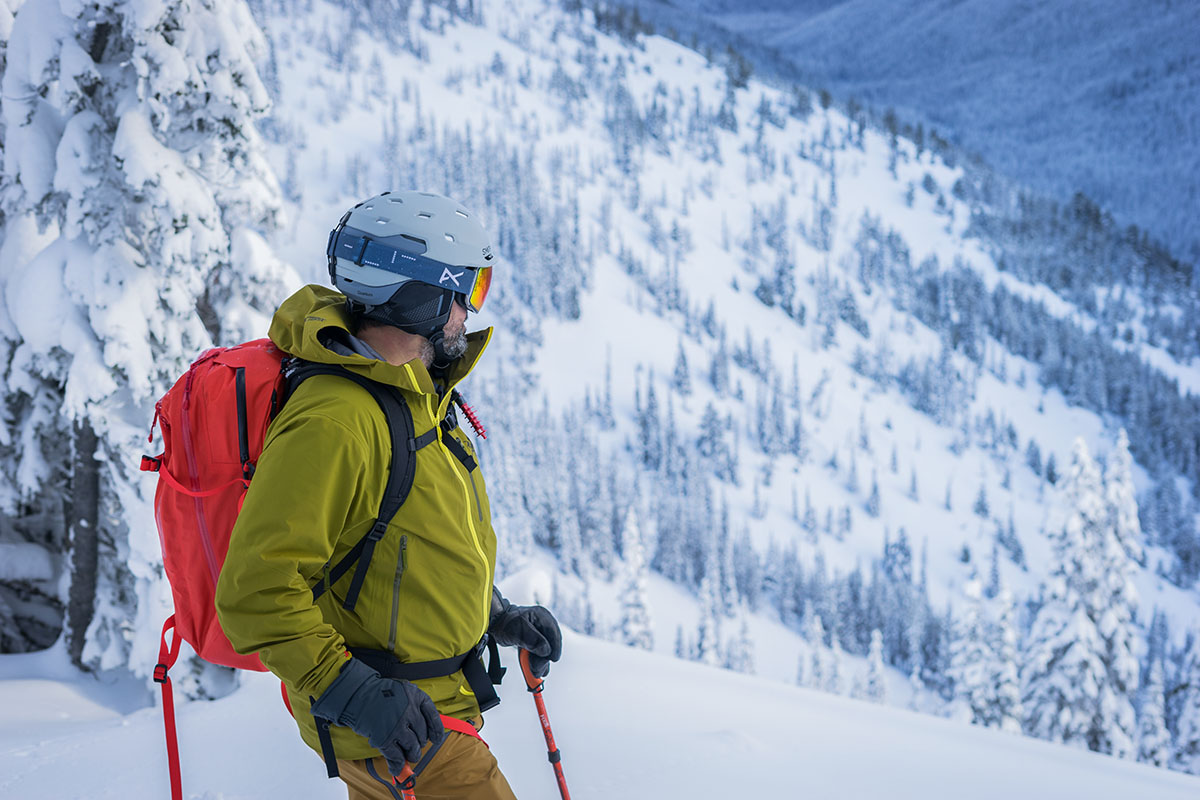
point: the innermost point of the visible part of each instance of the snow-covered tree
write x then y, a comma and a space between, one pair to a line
971, 657
875, 689
636, 627
739, 654
1081, 667
1154, 741
1119, 492
833, 674
130, 142
1186, 754
814, 633
708, 636
916, 687
681, 379
1006, 712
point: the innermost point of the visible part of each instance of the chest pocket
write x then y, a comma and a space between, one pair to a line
404, 447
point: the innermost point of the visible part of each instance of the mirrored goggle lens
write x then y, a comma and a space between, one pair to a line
479, 292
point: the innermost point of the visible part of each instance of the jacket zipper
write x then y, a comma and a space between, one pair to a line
487, 599
210, 554
401, 565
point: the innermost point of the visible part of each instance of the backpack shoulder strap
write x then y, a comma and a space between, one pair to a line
405, 445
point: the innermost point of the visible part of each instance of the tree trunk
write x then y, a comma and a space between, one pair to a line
84, 530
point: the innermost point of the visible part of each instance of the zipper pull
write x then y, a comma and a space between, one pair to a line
154, 422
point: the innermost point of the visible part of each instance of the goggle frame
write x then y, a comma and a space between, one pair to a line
358, 247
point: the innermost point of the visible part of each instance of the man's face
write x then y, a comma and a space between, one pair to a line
455, 331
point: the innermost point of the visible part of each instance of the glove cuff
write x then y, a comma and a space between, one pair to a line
500, 607
333, 702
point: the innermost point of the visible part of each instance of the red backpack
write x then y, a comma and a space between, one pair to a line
213, 422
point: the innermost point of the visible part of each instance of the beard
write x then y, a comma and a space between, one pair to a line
455, 341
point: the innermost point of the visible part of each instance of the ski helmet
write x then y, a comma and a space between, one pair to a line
402, 258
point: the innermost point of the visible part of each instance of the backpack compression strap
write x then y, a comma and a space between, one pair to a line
405, 445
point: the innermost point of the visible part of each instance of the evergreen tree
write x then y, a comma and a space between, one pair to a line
814, 633
872, 504
149, 191
739, 656
876, 686
981, 503
1119, 493
972, 662
681, 378
729, 596
810, 515
915, 687
1006, 711
650, 429
1154, 741
708, 636
833, 675
1186, 754
1033, 457
636, 628
1081, 668
1051, 470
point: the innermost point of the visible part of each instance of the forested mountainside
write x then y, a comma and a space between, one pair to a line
848, 400
1076, 97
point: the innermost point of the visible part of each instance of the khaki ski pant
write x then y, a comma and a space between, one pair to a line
464, 769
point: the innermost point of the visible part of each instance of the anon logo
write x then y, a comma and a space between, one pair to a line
447, 274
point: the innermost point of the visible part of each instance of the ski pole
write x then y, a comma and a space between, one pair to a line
535, 686
407, 779
404, 781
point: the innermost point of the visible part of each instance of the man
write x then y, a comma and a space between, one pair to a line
381, 667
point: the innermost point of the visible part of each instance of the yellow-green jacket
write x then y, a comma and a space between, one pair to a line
316, 492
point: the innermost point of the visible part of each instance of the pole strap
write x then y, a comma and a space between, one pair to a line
167, 655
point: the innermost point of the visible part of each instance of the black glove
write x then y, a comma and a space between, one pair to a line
396, 717
532, 628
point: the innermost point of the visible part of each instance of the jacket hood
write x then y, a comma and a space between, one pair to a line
316, 314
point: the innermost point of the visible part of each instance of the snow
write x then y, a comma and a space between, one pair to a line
655, 717
25, 561
630, 724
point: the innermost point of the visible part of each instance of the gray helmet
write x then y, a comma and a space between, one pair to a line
402, 258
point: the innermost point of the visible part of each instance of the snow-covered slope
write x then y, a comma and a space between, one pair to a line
1099, 97
629, 724
649, 215
518, 81
718, 307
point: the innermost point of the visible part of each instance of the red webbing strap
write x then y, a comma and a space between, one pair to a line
166, 475
462, 726
166, 659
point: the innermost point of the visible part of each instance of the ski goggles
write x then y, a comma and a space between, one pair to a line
393, 254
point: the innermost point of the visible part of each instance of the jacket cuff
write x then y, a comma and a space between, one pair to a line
499, 607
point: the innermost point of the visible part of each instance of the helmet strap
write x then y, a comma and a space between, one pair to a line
440, 359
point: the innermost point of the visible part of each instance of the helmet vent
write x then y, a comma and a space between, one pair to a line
396, 200
461, 213
382, 220
425, 215
449, 237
